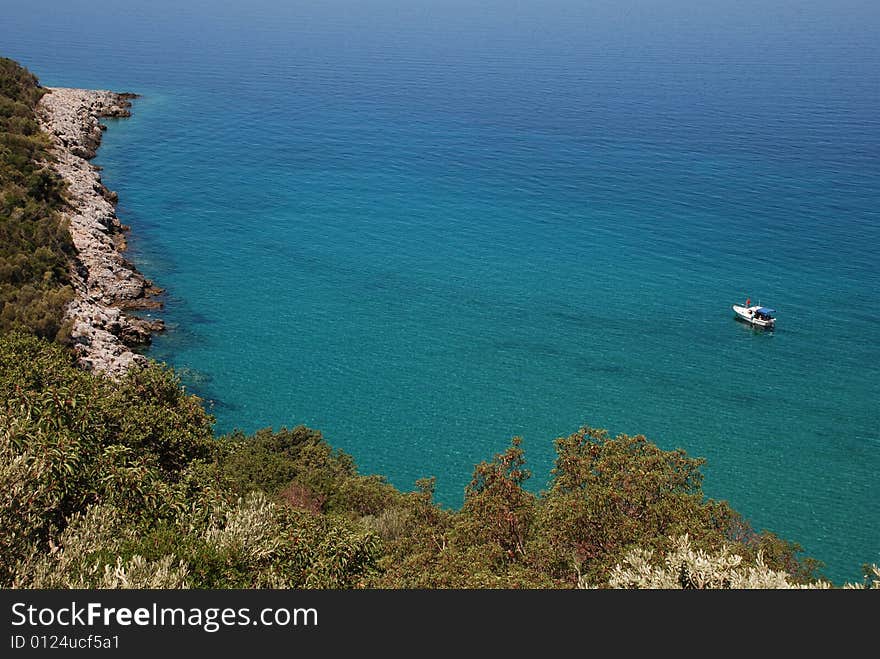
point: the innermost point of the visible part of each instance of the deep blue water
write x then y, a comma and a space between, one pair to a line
425, 228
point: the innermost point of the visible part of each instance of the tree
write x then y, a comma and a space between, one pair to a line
609, 495
497, 509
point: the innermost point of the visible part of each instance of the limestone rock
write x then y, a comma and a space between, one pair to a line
105, 282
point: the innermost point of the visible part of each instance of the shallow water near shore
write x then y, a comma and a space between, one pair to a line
424, 231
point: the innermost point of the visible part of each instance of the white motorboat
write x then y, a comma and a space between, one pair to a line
756, 315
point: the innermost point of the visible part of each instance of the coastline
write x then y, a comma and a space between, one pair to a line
105, 283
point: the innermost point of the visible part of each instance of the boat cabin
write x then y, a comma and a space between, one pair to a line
764, 313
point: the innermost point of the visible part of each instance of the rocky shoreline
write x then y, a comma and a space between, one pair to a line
106, 284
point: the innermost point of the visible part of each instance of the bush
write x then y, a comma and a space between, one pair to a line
35, 245
72, 439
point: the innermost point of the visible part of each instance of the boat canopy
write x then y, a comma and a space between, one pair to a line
765, 310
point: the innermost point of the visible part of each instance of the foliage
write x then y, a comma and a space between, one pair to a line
685, 567
300, 467
105, 483
35, 245
85, 557
497, 509
608, 495
71, 440
109, 484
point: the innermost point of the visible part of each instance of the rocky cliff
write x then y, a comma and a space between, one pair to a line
107, 285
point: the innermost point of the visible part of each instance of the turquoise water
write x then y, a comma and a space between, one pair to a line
425, 228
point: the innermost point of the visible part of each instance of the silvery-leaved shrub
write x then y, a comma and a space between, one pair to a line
85, 555
684, 567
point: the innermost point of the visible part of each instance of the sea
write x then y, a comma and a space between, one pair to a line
426, 227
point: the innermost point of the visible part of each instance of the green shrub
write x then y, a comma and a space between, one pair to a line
35, 245
81, 439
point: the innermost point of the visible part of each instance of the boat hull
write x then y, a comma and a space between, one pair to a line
747, 314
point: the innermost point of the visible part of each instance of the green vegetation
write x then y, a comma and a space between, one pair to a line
128, 475
107, 484
683, 567
115, 484
35, 246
